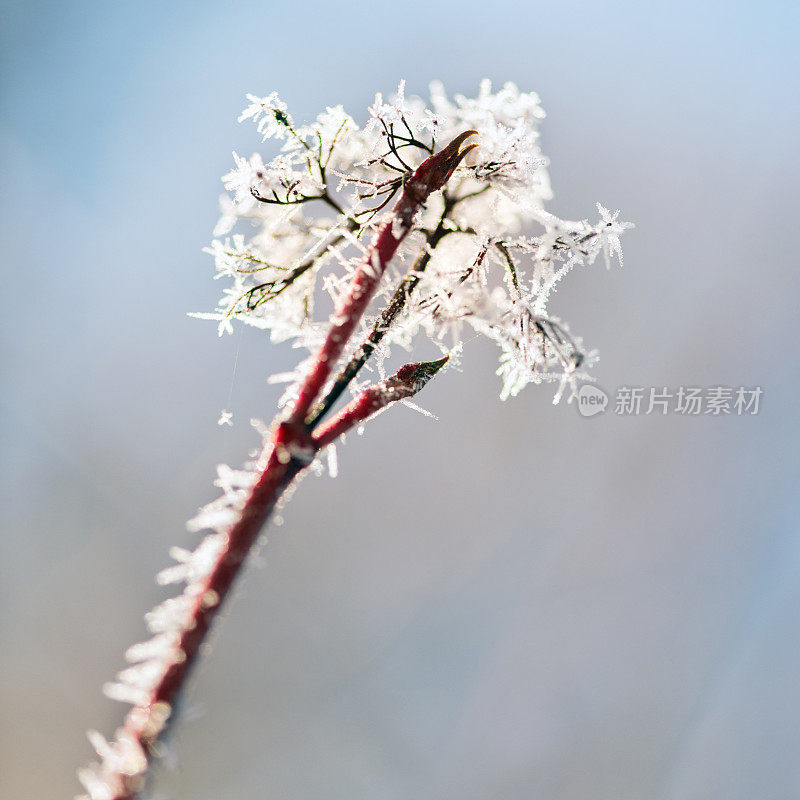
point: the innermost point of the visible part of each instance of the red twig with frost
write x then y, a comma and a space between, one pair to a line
502, 296
292, 448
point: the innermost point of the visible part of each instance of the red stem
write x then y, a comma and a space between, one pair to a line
406, 383
291, 450
429, 177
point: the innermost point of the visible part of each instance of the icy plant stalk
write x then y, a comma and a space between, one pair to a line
409, 228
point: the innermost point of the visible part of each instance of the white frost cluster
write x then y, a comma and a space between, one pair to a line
306, 216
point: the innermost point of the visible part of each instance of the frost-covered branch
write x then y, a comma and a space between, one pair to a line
406, 383
429, 177
180, 625
404, 240
388, 315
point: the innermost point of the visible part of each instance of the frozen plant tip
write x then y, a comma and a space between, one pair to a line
362, 240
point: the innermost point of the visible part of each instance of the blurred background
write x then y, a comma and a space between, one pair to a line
511, 602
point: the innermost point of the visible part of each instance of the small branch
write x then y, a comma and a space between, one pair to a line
429, 177
276, 201
263, 292
384, 321
512, 267
434, 304
390, 313
406, 383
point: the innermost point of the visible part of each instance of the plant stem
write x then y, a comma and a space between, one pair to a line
429, 177
384, 321
291, 450
406, 383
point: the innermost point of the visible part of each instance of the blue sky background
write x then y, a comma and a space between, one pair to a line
511, 602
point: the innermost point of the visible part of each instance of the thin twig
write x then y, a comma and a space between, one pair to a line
385, 320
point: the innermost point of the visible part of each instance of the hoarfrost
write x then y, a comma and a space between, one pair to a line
497, 195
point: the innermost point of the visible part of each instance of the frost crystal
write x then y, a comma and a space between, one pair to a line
313, 207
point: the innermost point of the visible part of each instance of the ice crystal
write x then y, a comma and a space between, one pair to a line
122, 759
318, 200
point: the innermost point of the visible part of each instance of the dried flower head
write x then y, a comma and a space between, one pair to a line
476, 260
